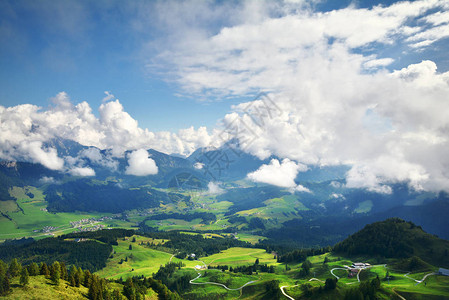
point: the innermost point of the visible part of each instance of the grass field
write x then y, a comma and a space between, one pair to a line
40, 287
29, 216
141, 260
238, 256
364, 207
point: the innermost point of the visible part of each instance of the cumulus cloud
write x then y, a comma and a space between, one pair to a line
336, 103
48, 180
82, 171
300, 188
47, 157
140, 164
198, 165
25, 128
214, 188
277, 173
96, 157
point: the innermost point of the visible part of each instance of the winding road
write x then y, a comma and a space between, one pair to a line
220, 284
419, 281
216, 283
284, 293
332, 271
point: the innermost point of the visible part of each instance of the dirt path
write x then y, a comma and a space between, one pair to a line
220, 284
396, 293
285, 294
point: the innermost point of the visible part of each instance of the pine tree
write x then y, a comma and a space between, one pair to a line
95, 288
44, 269
87, 278
33, 269
79, 277
73, 270
72, 280
6, 286
4, 280
24, 278
64, 274
55, 272
14, 268
128, 289
116, 295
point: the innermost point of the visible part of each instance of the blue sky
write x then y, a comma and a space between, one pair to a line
87, 47
360, 83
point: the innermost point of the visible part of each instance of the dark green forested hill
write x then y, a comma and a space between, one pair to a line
396, 238
85, 195
91, 253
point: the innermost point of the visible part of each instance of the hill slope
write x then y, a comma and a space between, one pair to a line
396, 238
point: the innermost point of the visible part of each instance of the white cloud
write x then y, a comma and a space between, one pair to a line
140, 164
335, 184
198, 165
429, 36
95, 156
314, 65
214, 188
47, 157
24, 128
301, 189
390, 126
280, 174
381, 62
82, 171
337, 196
48, 180
438, 18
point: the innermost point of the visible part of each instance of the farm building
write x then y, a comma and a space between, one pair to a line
358, 265
443, 271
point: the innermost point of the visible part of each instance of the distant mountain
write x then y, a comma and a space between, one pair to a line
432, 216
225, 163
21, 173
396, 238
65, 147
320, 174
86, 195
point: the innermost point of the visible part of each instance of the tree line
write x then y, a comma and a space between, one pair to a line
98, 288
90, 254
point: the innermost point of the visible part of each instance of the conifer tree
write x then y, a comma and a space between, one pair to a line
116, 295
5, 285
4, 280
14, 268
72, 280
44, 269
33, 269
95, 288
87, 278
79, 277
55, 272
24, 277
64, 274
129, 290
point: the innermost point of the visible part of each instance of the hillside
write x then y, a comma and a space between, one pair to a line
396, 238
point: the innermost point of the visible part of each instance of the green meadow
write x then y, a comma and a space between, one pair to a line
29, 214
238, 256
141, 260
